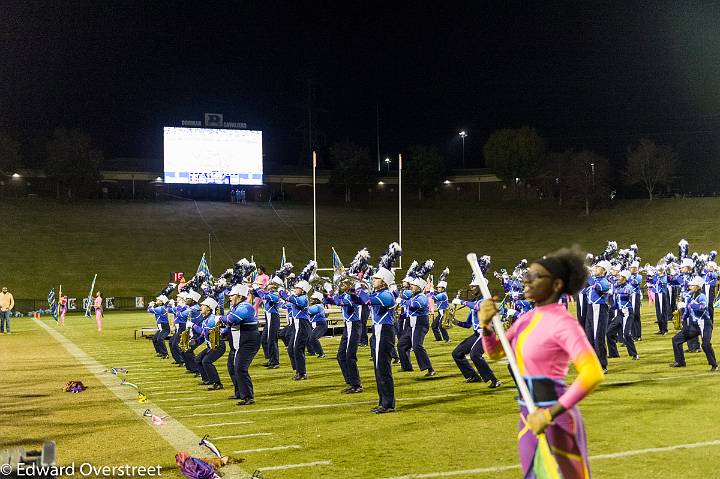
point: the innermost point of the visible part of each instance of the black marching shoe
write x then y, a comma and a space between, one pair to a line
384, 410
355, 390
495, 383
394, 361
266, 364
205, 383
273, 366
299, 377
246, 402
164, 356
215, 387
676, 365
474, 379
430, 373
321, 356
713, 369
346, 390
636, 357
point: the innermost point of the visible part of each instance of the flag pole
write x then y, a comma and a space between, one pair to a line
92, 287
314, 167
209, 253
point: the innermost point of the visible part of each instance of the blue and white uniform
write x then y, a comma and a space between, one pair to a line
596, 321
163, 328
441, 305
622, 323
300, 329
382, 303
350, 307
318, 321
245, 338
472, 345
696, 323
269, 337
419, 324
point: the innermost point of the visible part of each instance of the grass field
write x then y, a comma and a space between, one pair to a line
442, 428
134, 246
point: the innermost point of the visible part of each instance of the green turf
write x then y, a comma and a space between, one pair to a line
134, 246
442, 424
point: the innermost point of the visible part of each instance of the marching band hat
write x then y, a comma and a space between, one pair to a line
240, 290
687, 263
162, 299
696, 281
194, 295
304, 285
210, 303
625, 274
442, 284
419, 282
277, 280
711, 263
635, 264
604, 264
317, 295
386, 275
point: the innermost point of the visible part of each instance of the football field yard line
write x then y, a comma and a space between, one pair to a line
240, 436
223, 424
613, 455
293, 466
268, 449
175, 433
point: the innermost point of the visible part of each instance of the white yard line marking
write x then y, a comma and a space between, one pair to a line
223, 424
292, 466
483, 470
240, 436
265, 449
177, 435
309, 406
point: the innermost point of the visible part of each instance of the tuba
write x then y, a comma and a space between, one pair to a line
184, 343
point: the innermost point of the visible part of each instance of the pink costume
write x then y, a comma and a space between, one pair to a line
63, 309
545, 341
263, 281
98, 312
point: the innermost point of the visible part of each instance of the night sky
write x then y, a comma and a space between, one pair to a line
584, 75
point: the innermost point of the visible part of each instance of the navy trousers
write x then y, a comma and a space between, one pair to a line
269, 338
636, 322
297, 344
319, 328
662, 311
381, 347
208, 371
596, 324
416, 330
364, 315
246, 344
622, 324
347, 352
438, 330
693, 330
175, 346
472, 345
160, 337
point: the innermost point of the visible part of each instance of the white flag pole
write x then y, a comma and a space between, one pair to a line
92, 287
314, 165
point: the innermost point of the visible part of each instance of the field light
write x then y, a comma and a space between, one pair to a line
447, 182
381, 183
16, 175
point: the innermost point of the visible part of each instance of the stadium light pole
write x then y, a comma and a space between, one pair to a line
400, 204
314, 165
463, 134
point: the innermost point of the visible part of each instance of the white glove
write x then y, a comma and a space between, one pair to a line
171, 303
681, 305
457, 301
511, 312
151, 304
358, 285
328, 287
393, 287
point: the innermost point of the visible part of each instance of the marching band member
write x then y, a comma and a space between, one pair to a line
245, 339
696, 323
711, 278
63, 308
581, 297
297, 303
382, 302
271, 305
659, 288
207, 358
350, 305
440, 298
596, 321
179, 322
681, 282
262, 280
545, 341
472, 345
418, 323
318, 321
160, 311
192, 316
98, 304
636, 282
623, 293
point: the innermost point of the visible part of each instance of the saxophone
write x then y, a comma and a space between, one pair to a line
214, 336
184, 343
449, 316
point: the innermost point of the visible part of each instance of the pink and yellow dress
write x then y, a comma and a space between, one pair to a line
546, 340
98, 312
63, 309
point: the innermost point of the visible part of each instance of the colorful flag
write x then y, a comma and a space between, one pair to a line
283, 260
337, 264
203, 268
52, 304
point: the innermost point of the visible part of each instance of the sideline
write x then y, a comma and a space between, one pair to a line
177, 435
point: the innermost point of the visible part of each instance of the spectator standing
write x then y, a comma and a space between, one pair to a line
232, 196
242, 196
7, 303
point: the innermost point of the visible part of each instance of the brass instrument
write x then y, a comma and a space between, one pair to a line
677, 322
214, 336
184, 343
449, 317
